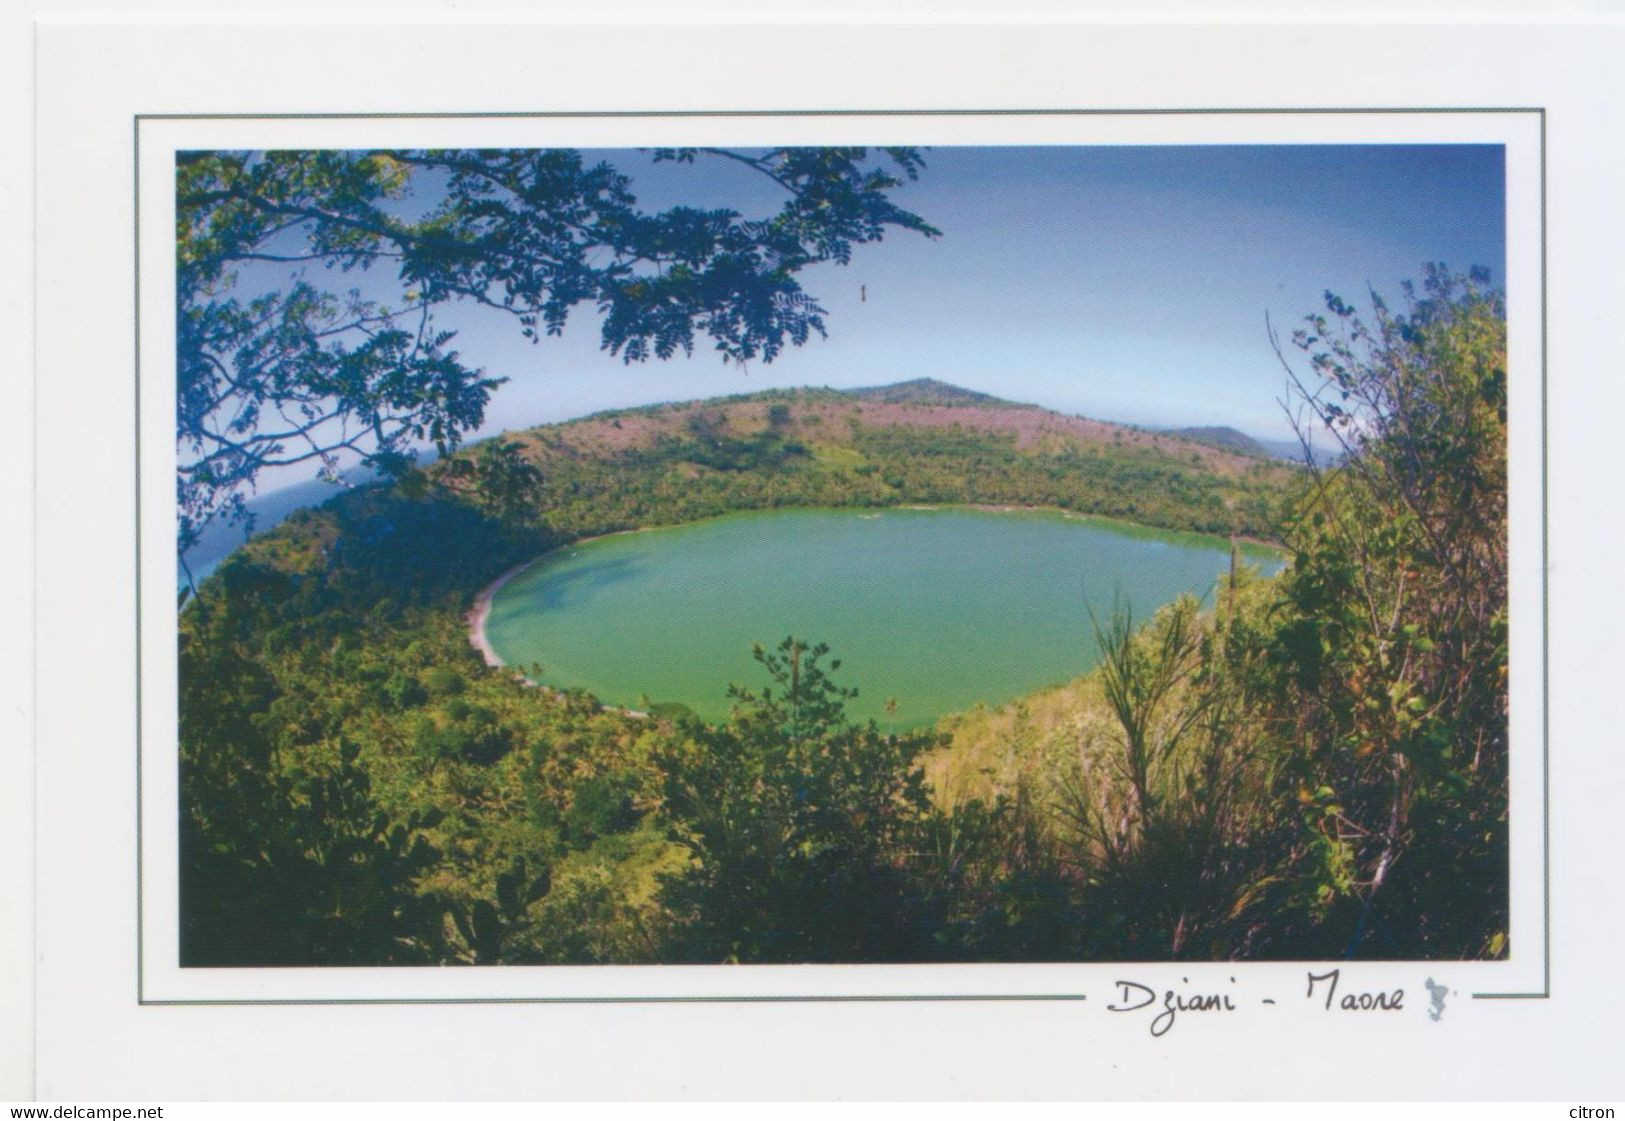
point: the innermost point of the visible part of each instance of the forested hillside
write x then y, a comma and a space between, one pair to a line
679, 462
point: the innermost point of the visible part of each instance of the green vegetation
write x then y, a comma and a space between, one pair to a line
677, 463
795, 819
1315, 768
928, 391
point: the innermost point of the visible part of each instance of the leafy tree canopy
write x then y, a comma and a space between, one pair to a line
1394, 628
280, 365
796, 818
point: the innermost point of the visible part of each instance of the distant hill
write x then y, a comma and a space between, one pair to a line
932, 392
928, 391
1226, 438
922, 441
822, 415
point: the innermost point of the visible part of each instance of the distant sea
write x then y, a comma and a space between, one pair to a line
220, 538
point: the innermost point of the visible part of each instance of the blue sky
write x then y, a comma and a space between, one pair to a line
1129, 284
1124, 283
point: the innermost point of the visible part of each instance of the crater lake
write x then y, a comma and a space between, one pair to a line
929, 610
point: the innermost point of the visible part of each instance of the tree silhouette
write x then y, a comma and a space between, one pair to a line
795, 817
279, 365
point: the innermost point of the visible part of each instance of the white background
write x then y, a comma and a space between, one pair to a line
88, 1039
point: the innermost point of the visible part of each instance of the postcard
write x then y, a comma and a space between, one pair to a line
813, 568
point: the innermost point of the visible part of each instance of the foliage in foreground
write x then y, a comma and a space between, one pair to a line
277, 364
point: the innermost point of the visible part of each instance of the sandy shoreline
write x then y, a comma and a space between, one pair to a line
481, 612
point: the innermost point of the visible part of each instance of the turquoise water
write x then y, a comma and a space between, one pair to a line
934, 609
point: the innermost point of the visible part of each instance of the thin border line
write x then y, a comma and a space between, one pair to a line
35, 780
1545, 620
140, 690
741, 999
1540, 113
1545, 586
670, 113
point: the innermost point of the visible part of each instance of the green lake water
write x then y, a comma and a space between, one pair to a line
938, 609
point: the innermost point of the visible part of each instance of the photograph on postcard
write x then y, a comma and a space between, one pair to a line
951, 554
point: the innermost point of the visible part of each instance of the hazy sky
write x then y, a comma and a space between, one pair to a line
1124, 283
